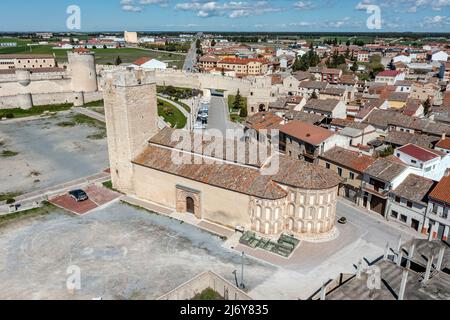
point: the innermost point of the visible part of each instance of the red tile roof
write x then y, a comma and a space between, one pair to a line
141, 61
389, 73
444, 144
442, 191
417, 152
349, 159
306, 132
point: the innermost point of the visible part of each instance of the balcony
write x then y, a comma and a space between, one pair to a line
375, 190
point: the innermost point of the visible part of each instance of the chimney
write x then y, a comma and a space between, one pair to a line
444, 136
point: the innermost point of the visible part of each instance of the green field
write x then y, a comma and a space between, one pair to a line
171, 114
103, 56
34, 111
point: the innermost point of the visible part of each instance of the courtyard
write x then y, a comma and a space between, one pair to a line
125, 252
122, 252
50, 151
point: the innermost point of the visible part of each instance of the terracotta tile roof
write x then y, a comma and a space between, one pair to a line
222, 175
306, 132
349, 159
311, 118
385, 169
333, 91
305, 175
301, 75
415, 188
327, 105
141, 61
412, 105
417, 152
318, 85
389, 73
398, 96
442, 191
444, 144
263, 120
403, 138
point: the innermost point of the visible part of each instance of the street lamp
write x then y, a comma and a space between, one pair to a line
242, 272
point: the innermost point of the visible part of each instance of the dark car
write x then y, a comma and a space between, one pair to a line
79, 195
343, 220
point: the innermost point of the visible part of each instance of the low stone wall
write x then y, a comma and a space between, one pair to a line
207, 280
26, 101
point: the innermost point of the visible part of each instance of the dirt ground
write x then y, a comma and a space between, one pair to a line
48, 154
122, 252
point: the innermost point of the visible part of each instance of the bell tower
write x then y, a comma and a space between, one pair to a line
131, 113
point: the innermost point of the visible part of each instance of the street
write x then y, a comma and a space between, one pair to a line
191, 57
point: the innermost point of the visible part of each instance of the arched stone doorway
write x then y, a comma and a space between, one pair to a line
189, 201
190, 205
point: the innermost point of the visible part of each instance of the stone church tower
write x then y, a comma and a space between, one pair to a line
132, 119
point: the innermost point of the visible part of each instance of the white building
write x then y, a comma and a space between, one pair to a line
424, 162
439, 56
149, 64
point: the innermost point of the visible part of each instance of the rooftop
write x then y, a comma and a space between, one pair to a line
349, 159
403, 138
327, 105
263, 120
441, 191
389, 73
306, 132
417, 152
444, 144
385, 169
415, 188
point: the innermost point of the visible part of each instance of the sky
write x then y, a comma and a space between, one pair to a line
225, 15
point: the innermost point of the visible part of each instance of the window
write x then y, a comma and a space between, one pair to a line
435, 208
394, 214
409, 204
352, 176
327, 165
403, 218
413, 161
397, 199
340, 172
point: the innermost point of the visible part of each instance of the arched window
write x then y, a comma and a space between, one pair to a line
301, 212
258, 212
291, 210
312, 213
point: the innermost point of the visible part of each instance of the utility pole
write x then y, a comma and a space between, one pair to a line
242, 272
235, 278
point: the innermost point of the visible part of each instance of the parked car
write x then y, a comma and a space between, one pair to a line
79, 195
343, 220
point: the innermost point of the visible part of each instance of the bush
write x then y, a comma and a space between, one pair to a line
10, 201
7, 115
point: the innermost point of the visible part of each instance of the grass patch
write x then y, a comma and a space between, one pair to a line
109, 185
97, 136
66, 124
236, 118
81, 119
208, 294
44, 210
9, 196
34, 111
9, 154
171, 114
98, 103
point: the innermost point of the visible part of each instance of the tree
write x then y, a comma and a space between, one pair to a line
391, 65
223, 71
348, 43
118, 61
213, 43
354, 67
244, 112
237, 103
427, 106
314, 95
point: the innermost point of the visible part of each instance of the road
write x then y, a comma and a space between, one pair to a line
191, 57
376, 229
218, 116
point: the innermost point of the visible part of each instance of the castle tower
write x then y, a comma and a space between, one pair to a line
131, 120
83, 71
